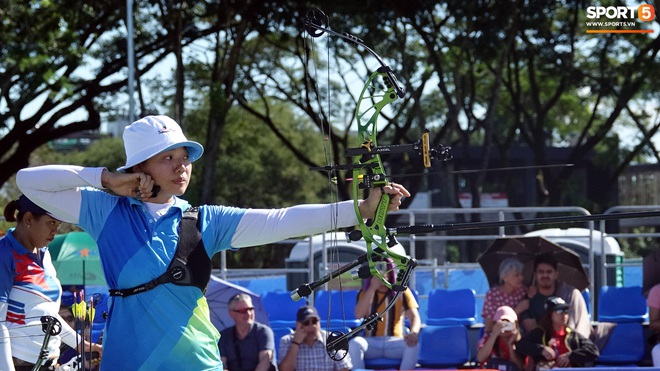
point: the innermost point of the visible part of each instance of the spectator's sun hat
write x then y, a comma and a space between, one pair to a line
152, 135
305, 313
554, 303
505, 313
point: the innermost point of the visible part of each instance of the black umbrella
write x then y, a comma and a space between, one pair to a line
650, 271
526, 249
218, 294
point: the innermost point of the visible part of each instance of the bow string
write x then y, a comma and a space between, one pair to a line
368, 172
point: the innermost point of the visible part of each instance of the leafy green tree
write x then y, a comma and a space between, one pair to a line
559, 87
295, 72
43, 46
492, 75
64, 64
254, 170
507, 75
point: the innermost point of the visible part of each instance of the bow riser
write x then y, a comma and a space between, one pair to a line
369, 172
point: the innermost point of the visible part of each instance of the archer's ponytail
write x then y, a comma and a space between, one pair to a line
10, 211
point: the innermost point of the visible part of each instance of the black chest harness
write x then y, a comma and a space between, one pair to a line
191, 265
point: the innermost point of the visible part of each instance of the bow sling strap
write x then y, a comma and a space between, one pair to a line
191, 265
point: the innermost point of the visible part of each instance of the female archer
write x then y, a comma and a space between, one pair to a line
30, 291
154, 325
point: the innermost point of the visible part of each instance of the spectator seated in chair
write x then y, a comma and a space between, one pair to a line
553, 343
497, 348
387, 339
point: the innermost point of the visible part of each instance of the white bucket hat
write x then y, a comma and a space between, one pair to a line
152, 135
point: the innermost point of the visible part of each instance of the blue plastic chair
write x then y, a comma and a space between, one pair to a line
621, 304
382, 363
101, 306
625, 346
451, 307
443, 346
278, 334
281, 308
586, 294
97, 330
342, 309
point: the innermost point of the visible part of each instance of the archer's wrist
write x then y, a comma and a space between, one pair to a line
365, 212
110, 180
105, 178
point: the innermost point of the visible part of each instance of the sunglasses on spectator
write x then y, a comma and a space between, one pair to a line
244, 310
561, 310
311, 321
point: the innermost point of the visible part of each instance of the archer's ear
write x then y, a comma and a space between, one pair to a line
28, 218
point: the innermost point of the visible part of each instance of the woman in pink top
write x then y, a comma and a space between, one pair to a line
510, 292
497, 348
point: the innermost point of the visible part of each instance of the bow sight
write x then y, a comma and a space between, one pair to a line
421, 148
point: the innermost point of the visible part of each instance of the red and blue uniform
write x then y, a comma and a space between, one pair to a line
30, 288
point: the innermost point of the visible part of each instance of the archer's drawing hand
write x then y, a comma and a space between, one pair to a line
396, 192
137, 185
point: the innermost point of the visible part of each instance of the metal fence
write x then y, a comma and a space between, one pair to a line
438, 271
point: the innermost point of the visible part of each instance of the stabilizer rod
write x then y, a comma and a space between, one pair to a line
430, 228
307, 289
